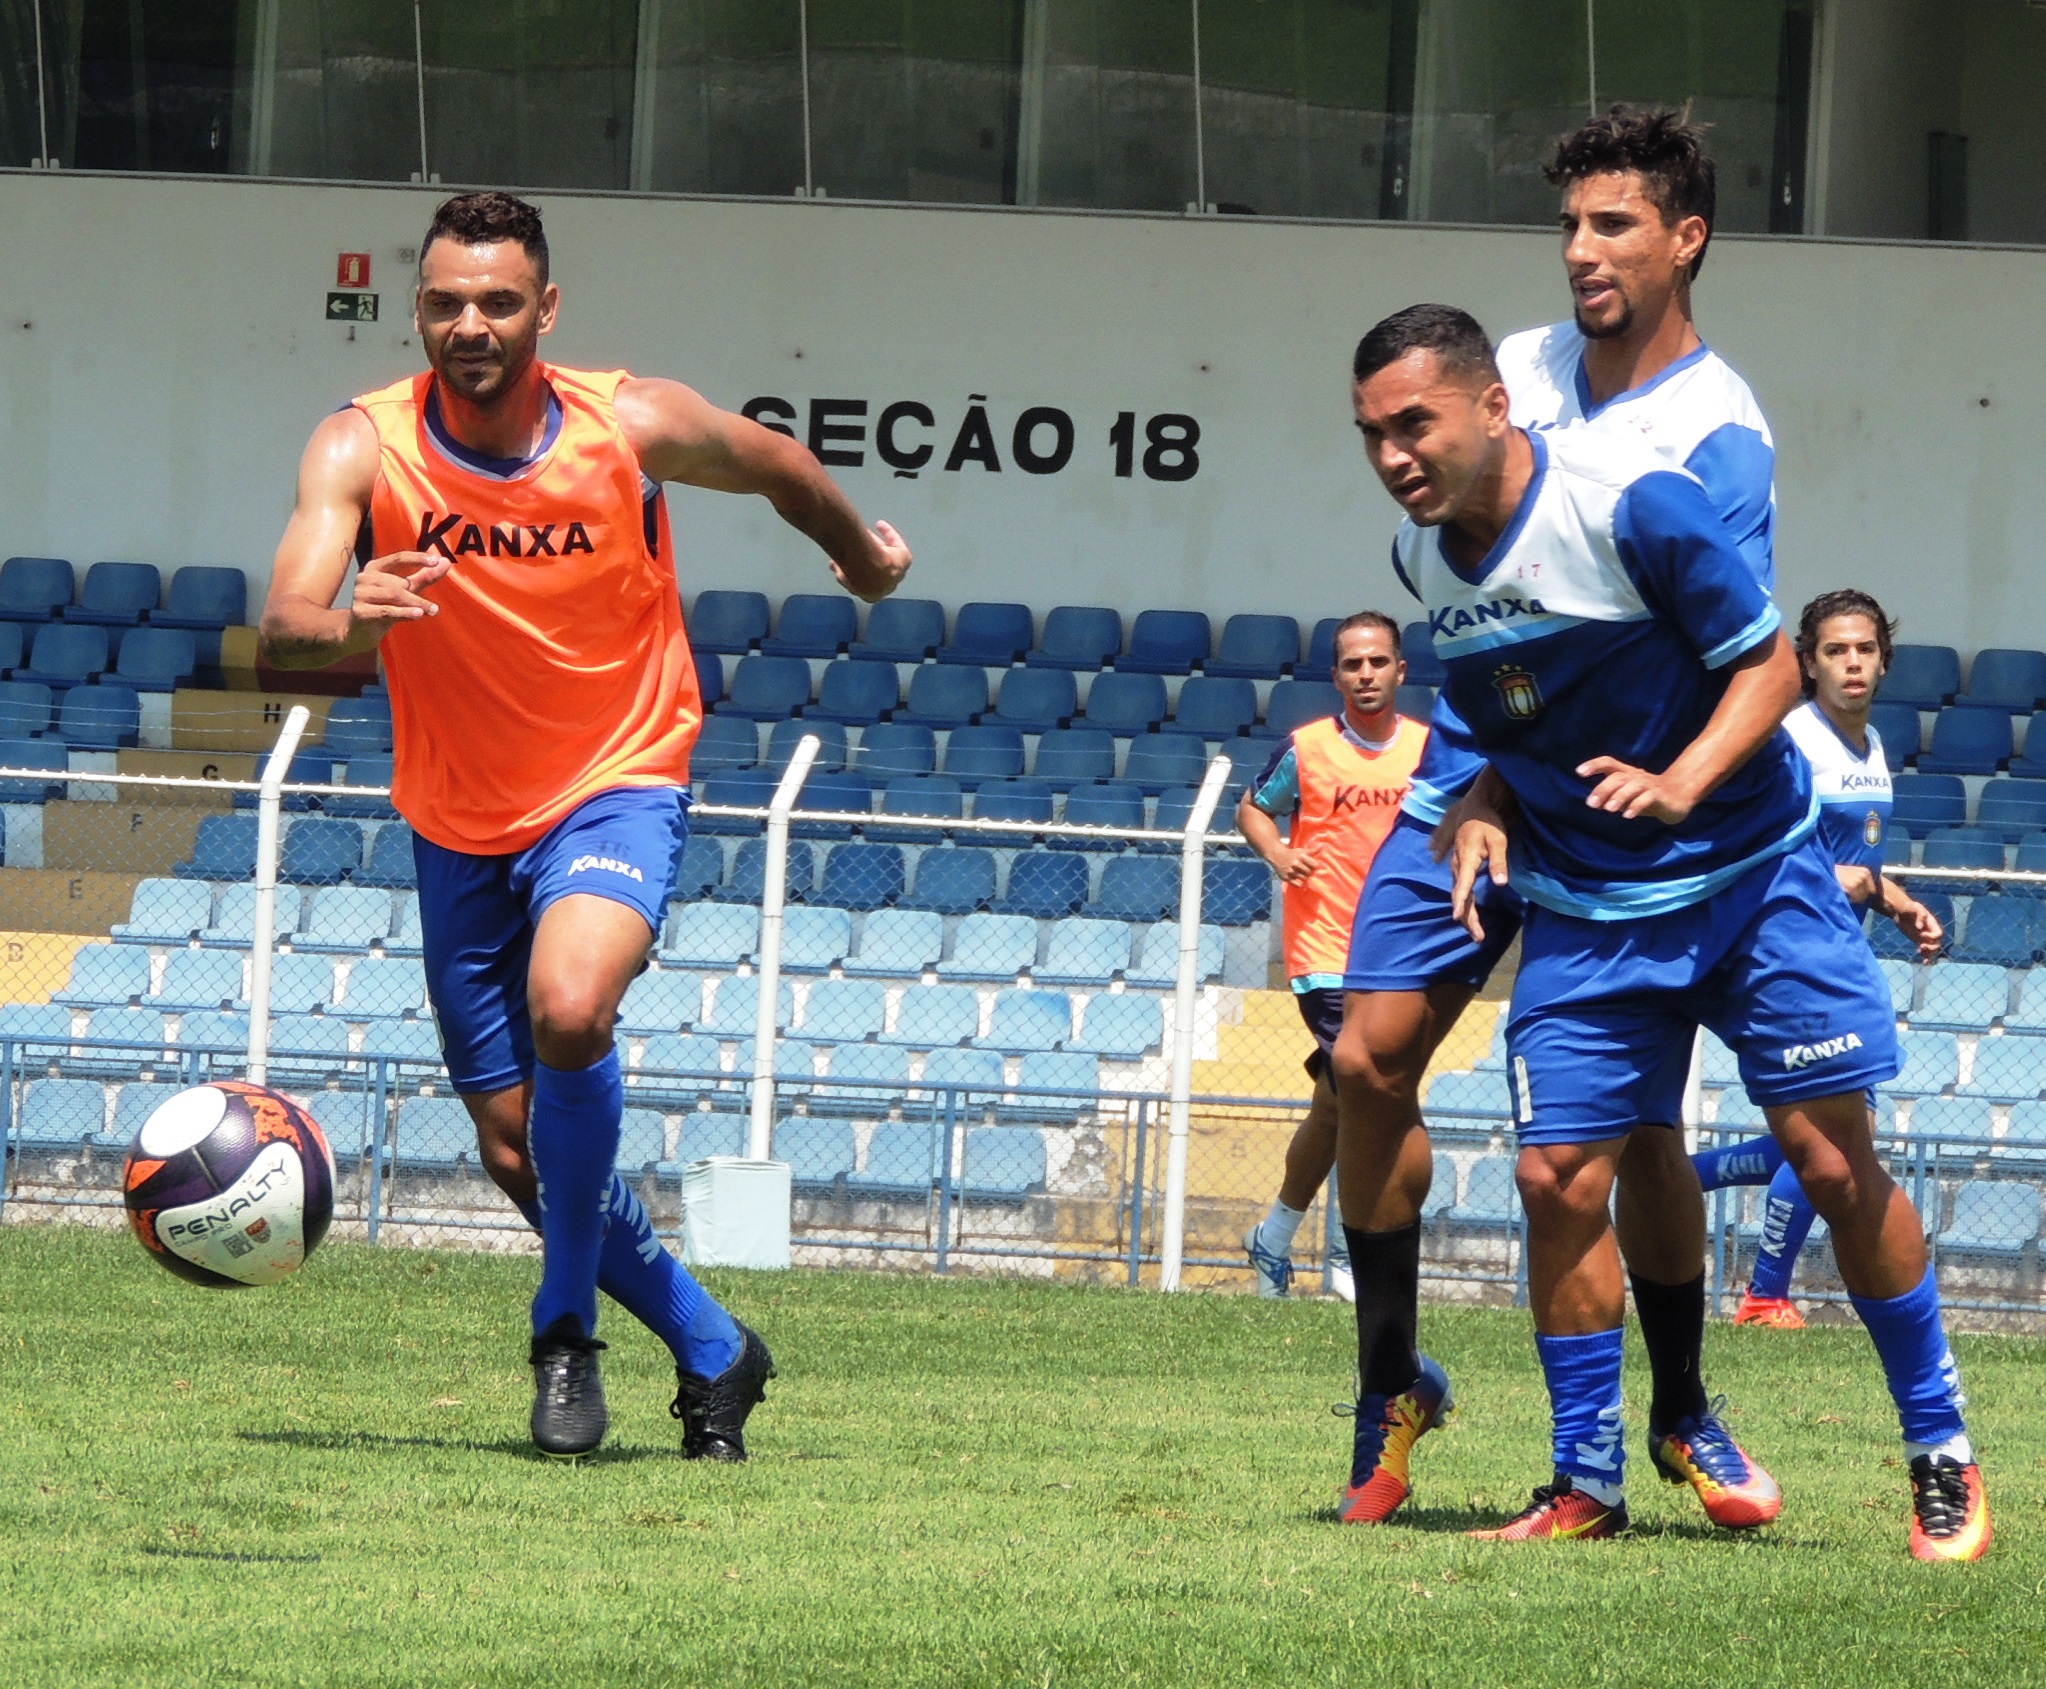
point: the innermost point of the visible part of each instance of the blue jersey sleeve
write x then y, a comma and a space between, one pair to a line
1277, 790
1738, 470
1450, 764
1682, 559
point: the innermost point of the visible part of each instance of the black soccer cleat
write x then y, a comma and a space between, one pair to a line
569, 1415
713, 1411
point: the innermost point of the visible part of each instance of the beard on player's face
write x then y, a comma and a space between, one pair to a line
1611, 328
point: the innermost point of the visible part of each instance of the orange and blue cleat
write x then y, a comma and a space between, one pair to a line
1778, 1313
1737, 1494
1949, 1510
1560, 1512
1388, 1427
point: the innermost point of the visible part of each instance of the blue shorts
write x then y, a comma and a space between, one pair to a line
1776, 965
1405, 938
477, 915
1321, 1007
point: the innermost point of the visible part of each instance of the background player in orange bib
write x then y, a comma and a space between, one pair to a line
1341, 779
518, 575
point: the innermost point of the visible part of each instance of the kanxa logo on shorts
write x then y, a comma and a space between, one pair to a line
1518, 693
1796, 1056
515, 539
606, 864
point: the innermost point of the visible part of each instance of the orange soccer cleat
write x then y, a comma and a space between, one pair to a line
1949, 1510
1737, 1494
1385, 1441
1778, 1313
1559, 1511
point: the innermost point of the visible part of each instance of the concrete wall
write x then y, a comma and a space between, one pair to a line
164, 353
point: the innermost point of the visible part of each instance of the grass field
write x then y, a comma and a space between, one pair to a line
954, 1482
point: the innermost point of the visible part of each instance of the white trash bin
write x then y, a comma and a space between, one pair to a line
735, 1213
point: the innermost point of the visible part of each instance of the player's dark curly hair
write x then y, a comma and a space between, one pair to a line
1848, 601
1664, 146
1452, 335
1372, 619
489, 219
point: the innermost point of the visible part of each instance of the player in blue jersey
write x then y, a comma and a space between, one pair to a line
1625, 677
1843, 646
1638, 202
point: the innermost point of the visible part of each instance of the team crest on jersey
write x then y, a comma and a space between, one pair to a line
1872, 829
1518, 693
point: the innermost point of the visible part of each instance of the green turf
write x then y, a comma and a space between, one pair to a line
954, 1482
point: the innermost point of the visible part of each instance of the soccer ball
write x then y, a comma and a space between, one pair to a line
229, 1184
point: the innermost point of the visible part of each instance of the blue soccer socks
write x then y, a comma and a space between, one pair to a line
641, 1276
1583, 1374
1786, 1223
1752, 1161
573, 1140
1924, 1381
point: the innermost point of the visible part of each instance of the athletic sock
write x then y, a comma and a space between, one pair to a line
1387, 1269
1276, 1229
573, 1139
1924, 1381
1673, 1328
1583, 1374
1786, 1223
1752, 1161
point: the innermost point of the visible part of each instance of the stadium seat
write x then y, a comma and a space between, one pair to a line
310, 765
406, 1043
127, 1040
1963, 847
1903, 981
975, 755
1417, 650
748, 880
358, 725
1029, 1020
711, 935
735, 1003
1121, 1026
902, 1160
2006, 1070
932, 1017
1442, 1193
307, 1049
1035, 700
26, 708
767, 688
61, 1113
1013, 800
642, 1141
898, 943
234, 917
1045, 884
1294, 703
1103, 803
1490, 1198
681, 1065
1071, 756
1900, 730
813, 624
856, 694
166, 912
1235, 892
818, 1152
706, 1135
1256, 648
1211, 708
365, 769
1321, 650
902, 630
2032, 764
1890, 942
1968, 742
64, 655
1001, 1162
203, 598
859, 875
34, 1024
2030, 1013
1925, 801
870, 1077
110, 974
1998, 1218
944, 697
1416, 703
116, 594
1073, 1075
953, 881
741, 788
730, 623
710, 677
1950, 1119
156, 659
834, 794
224, 1033
785, 736
935, 797
1924, 676
988, 635
1138, 888
391, 862
319, 851
2024, 1139
1175, 810
35, 589
991, 947
844, 1011
199, 979
1159, 761
667, 1001
1931, 1064
1159, 967
727, 742
34, 753
2009, 809
1963, 997
977, 1073
701, 870
383, 987
2001, 678
13, 645
1084, 952
1124, 704
814, 941
299, 983
1081, 638
432, 1132
893, 751
1166, 642
1481, 1095
2007, 931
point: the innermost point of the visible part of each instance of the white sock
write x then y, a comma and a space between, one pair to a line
1957, 1447
1609, 1495
1276, 1229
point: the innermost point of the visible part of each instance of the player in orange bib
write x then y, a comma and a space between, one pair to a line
1341, 779
518, 577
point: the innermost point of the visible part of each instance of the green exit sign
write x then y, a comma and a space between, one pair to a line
351, 307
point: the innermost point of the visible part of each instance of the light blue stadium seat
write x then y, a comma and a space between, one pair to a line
1992, 1217
1159, 966
711, 935
728, 622
748, 882
1903, 981
1029, 1020
166, 912
1442, 1190
1084, 952
681, 1066
882, 1072
902, 630
1739, 1112
1044, 884
2006, 1070
991, 947
106, 973
863, 876
432, 1132
1477, 1095
349, 1118
346, 919
298, 983
898, 943
932, 1016
855, 694
814, 940
818, 1152
405, 935
33, 1027
1121, 1026
977, 1074
812, 624
902, 1160
414, 1042
642, 1141
705, 1135
1002, 1162
199, 979
1963, 997
953, 880
1138, 888
390, 861
2030, 1014
1078, 638
234, 916
225, 849
1256, 647
129, 1040
2007, 931
737, 1001
1490, 1199
2024, 1139
1073, 1075
61, 1113
307, 1049
225, 1031
844, 1011
380, 986
795, 1062
135, 1102
1965, 1119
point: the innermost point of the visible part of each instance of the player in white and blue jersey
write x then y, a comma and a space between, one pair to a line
1638, 201
1625, 676
1843, 646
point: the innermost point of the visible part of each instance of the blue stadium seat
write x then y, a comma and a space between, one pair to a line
1071, 756
319, 850
1166, 642
1045, 884
109, 974
1159, 966
974, 755
1956, 1119
1417, 649
942, 696
856, 694
2001, 678
1103, 803
13, 645
1490, 1199
834, 794
902, 630
881, 1072
33, 753
234, 920
979, 1073
711, 935
768, 688
99, 718
935, 796
1236, 892
204, 598
1294, 703
1321, 649
365, 769
1081, 638
1931, 1064
35, 589
310, 765
1159, 761
1963, 997
1903, 983
735, 1003
225, 849
1255, 648
988, 635
156, 659
678, 1065
2024, 1139
844, 1011
1478, 1095
1923, 676
65, 655
818, 1152
1026, 1019
129, 1040
1035, 700
346, 919
2007, 931
1441, 1188
1963, 847
710, 678
730, 623
27, 706
1175, 810
1013, 800
898, 943
1075, 1075
748, 881
300, 983
784, 736
859, 875
432, 1132
1925, 801
391, 863
933, 1017
36, 1024
1889, 941
1002, 1163
815, 940
813, 624
116, 594
61, 1113
2030, 1013
1996, 1218
358, 725
667, 1001
707, 1135
1900, 730
1121, 1026
902, 1161
740, 788
727, 742
2009, 809
953, 881
1968, 742
385, 987
1084, 952
1138, 888
166, 912
225, 1032
1416, 703
893, 751
991, 947
1124, 704
307, 1049
1212, 708
2032, 764
642, 1140
199, 979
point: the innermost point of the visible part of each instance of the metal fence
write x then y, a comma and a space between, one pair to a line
1031, 1024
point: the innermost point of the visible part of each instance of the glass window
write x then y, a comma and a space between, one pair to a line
335, 91
721, 101
1108, 105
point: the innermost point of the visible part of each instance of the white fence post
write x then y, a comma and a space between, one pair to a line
773, 899
269, 838
1192, 851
